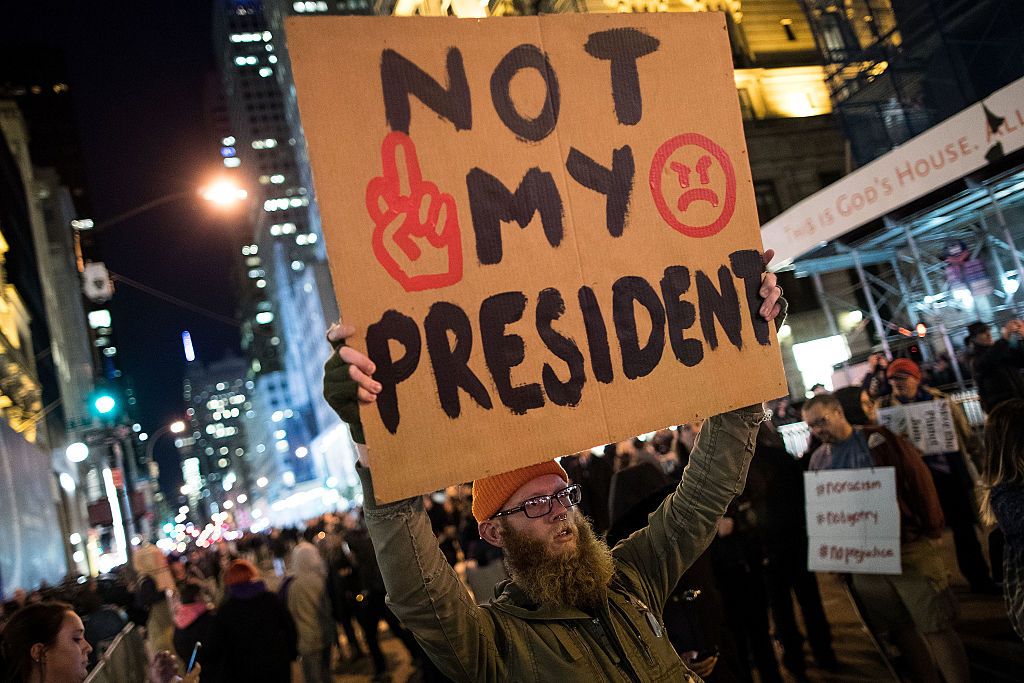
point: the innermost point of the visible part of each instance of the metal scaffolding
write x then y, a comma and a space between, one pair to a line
902, 276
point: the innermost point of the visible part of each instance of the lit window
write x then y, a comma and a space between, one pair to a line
288, 228
264, 179
260, 284
281, 446
254, 249
239, 61
277, 179
110, 351
227, 151
223, 450
312, 238
298, 265
267, 36
280, 434
222, 462
275, 230
272, 59
300, 239
232, 162
230, 140
299, 7
264, 317
266, 71
307, 288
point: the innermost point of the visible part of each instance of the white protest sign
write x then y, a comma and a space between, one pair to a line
928, 425
853, 522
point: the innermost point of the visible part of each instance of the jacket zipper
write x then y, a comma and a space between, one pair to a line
637, 636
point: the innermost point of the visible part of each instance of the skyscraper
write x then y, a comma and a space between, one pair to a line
285, 263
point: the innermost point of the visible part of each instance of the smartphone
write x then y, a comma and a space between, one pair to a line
195, 655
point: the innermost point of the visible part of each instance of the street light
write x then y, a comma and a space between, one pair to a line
176, 427
222, 192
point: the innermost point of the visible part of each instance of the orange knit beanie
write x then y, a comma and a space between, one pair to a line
491, 493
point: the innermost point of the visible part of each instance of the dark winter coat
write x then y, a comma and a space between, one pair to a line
253, 637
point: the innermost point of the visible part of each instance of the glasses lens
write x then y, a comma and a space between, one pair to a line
537, 507
575, 494
570, 496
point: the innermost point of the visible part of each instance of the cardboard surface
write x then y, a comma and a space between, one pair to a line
853, 522
471, 223
927, 424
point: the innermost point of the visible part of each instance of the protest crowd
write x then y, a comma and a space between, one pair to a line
728, 610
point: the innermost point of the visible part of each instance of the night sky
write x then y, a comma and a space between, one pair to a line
137, 73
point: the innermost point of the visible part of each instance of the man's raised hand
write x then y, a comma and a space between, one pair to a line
770, 291
360, 368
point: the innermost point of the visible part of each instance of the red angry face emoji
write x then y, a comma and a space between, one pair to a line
694, 185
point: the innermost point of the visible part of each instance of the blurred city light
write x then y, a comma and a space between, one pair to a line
77, 452
223, 192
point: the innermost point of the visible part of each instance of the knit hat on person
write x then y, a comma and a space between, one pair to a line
491, 493
240, 571
904, 366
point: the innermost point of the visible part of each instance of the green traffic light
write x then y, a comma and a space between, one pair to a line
104, 404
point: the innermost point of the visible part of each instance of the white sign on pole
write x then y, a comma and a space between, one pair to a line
928, 425
853, 522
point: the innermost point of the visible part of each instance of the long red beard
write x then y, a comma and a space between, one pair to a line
578, 578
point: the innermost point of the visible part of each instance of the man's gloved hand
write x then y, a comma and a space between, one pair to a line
348, 380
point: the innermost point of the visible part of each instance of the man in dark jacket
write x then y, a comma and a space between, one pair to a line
996, 365
915, 606
574, 610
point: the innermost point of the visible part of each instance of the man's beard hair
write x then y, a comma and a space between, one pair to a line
578, 578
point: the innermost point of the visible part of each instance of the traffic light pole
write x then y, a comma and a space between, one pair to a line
124, 498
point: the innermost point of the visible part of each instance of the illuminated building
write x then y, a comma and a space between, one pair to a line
218, 396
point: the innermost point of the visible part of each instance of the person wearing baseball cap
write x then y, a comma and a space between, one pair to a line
574, 609
950, 472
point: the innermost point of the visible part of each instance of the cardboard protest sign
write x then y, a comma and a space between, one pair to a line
853, 522
928, 425
543, 227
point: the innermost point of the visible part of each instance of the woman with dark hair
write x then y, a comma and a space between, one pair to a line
1002, 500
45, 643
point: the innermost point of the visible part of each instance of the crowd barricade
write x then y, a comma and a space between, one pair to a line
968, 400
125, 660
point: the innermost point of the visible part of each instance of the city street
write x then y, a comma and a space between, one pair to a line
270, 269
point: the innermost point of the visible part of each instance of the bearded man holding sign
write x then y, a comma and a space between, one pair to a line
574, 609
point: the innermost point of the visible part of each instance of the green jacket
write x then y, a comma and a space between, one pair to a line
511, 640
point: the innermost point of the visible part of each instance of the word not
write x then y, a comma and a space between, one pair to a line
449, 337
834, 487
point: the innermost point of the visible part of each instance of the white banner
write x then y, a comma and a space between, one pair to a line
946, 152
928, 425
853, 522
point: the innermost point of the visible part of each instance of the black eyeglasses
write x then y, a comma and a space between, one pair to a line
541, 505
